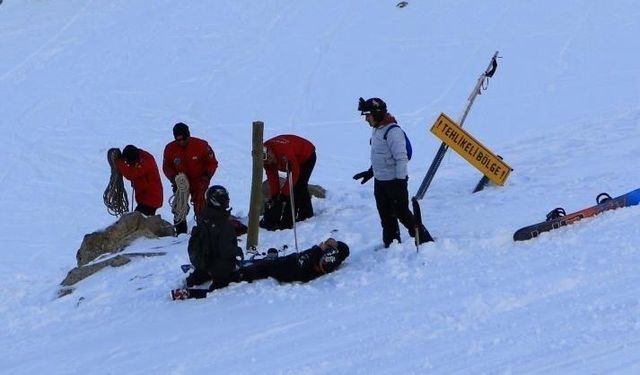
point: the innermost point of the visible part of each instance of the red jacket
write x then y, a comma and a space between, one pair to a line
287, 148
197, 161
145, 179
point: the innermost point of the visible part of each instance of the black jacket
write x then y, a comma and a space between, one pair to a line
213, 247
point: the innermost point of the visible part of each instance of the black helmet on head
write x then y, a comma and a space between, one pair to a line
217, 196
376, 107
343, 249
131, 154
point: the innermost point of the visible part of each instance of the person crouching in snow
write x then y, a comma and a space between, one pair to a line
213, 246
297, 156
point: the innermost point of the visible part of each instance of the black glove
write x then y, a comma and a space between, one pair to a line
365, 176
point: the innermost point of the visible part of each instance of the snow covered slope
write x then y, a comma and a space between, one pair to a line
80, 76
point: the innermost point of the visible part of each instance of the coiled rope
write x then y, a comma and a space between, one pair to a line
115, 195
179, 201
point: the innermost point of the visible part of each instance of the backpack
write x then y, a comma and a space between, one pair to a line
200, 246
204, 238
407, 142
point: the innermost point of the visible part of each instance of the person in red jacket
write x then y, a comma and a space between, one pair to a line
139, 167
297, 155
196, 159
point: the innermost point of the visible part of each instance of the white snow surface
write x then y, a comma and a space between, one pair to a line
80, 76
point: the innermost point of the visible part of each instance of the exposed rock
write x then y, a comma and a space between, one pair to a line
120, 234
82, 272
317, 191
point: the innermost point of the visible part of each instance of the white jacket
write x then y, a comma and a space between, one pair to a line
388, 157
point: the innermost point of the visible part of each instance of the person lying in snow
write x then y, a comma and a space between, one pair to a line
303, 267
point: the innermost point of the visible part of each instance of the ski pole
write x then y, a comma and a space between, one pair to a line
417, 222
435, 164
293, 207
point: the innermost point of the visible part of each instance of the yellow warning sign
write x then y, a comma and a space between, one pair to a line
471, 150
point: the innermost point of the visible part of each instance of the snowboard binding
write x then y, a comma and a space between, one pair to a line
556, 213
602, 197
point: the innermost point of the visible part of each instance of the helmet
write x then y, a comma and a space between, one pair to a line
131, 154
217, 196
373, 106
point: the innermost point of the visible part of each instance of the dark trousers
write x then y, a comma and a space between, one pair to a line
198, 189
392, 201
146, 210
283, 269
302, 198
180, 227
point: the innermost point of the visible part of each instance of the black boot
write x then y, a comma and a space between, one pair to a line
303, 215
181, 227
197, 277
388, 239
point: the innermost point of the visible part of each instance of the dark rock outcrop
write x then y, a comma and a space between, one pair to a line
120, 234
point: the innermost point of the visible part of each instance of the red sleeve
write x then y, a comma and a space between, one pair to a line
212, 162
121, 167
167, 163
294, 168
135, 174
129, 172
274, 180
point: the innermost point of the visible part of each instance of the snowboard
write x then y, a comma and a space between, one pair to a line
631, 198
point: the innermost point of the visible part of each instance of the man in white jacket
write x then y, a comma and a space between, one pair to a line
389, 169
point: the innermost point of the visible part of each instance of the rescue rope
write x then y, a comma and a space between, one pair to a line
115, 195
179, 201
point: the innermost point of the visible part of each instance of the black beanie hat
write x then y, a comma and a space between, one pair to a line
181, 129
343, 249
131, 154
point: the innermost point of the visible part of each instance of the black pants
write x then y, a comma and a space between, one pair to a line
180, 227
302, 198
146, 210
283, 269
392, 201
197, 277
